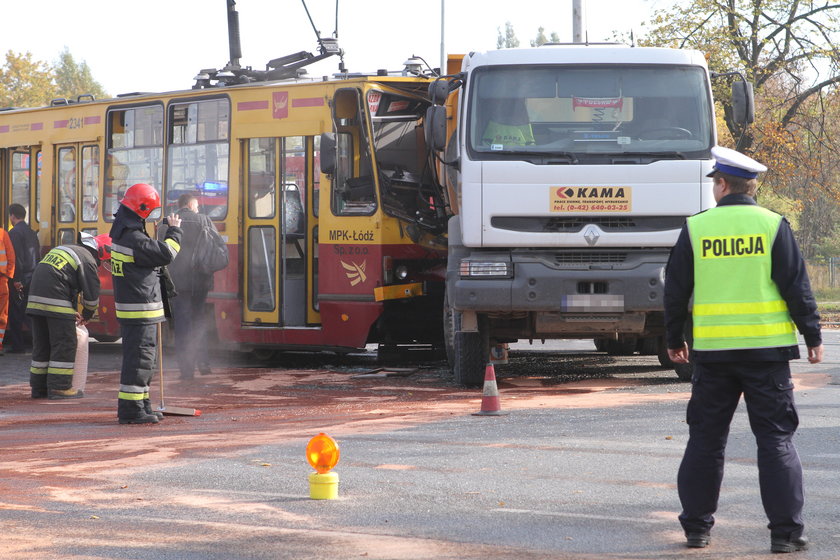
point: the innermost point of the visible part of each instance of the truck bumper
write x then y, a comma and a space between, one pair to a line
595, 298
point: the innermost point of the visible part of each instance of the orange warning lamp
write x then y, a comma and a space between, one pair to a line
322, 453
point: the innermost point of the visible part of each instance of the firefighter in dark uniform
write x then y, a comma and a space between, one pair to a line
63, 273
751, 292
135, 262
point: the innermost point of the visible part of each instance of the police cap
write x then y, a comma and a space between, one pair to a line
735, 163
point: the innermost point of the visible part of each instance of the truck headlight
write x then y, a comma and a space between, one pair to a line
486, 269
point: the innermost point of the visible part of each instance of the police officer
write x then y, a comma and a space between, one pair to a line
751, 292
135, 260
62, 274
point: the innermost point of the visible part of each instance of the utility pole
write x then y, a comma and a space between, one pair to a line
578, 19
442, 51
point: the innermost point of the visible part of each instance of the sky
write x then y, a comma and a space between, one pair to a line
160, 45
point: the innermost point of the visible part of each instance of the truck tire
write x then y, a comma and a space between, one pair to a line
471, 355
684, 371
662, 354
466, 352
621, 347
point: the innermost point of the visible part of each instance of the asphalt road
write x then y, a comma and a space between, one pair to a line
583, 465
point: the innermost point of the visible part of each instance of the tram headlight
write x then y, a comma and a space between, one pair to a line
486, 269
402, 272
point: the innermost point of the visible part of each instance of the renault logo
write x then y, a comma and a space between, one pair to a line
591, 235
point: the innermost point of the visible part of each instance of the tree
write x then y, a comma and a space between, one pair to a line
787, 49
25, 82
509, 40
73, 80
541, 39
787, 40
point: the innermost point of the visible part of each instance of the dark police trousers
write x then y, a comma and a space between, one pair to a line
768, 393
139, 344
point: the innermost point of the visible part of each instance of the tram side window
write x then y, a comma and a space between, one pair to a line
294, 185
134, 152
20, 179
261, 268
90, 183
316, 181
352, 195
39, 162
66, 183
198, 155
261, 172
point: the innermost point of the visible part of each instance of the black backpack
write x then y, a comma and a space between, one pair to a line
211, 253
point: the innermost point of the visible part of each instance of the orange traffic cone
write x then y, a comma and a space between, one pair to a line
490, 405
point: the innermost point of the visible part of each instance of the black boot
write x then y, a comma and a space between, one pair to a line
791, 544
144, 419
147, 406
58, 394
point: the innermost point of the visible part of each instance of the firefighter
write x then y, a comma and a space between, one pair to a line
135, 262
63, 273
7, 272
741, 264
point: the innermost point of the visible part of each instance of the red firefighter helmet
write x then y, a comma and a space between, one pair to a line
103, 244
142, 199
100, 245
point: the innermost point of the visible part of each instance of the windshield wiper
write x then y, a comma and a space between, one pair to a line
546, 158
655, 155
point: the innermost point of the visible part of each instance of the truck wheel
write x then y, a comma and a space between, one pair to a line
648, 346
684, 371
662, 354
621, 347
472, 352
466, 352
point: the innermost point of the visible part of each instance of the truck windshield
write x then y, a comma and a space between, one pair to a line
589, 110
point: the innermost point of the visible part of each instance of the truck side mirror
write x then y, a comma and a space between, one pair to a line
435, 127
743, 102
328, 155
439, 91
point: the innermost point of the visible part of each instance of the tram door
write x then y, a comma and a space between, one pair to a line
280, 257
76, 193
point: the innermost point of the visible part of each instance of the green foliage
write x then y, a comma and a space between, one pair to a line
787, 49
25, 82
74, 79
542, 40
508, 40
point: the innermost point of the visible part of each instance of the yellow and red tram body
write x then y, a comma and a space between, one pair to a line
322, 190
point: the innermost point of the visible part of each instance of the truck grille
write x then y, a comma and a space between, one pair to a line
589, 257
574, 224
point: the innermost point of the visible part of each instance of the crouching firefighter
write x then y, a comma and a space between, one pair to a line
135, 258
64, 273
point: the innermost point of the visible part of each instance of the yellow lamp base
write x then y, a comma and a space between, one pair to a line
323, 486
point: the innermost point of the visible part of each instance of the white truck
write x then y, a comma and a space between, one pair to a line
570, 170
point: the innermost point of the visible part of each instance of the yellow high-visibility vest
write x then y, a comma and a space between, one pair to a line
737, 306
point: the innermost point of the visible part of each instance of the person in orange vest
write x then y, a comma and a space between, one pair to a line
7, 271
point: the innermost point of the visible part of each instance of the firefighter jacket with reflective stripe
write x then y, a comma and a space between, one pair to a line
739, 285
7, 255
736, 303
64, 273
135, 259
